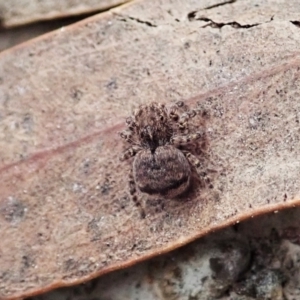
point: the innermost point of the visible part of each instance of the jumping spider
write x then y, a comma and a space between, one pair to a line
158, 136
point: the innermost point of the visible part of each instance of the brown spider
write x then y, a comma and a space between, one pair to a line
158, 135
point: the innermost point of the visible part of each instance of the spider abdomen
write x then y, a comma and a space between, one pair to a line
165, 172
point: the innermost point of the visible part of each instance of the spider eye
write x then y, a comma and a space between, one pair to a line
174, 116
130, 122
162, 118
145, 133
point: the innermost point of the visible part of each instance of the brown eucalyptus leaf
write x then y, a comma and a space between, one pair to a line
257, 258
65, 209
10, 37
19, 12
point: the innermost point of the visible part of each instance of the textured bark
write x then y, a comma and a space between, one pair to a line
16, 12
65, 210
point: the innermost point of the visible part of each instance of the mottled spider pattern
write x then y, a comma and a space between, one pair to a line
158, 135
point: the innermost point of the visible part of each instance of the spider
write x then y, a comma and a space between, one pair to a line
158, 135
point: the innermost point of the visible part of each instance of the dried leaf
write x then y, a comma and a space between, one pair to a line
16, 12
65, 210
257, 258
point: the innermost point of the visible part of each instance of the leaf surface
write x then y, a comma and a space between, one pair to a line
65, 210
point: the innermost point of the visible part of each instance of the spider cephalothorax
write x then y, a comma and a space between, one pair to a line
150, 126
157, 136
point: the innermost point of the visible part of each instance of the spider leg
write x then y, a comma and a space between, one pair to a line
179, 140
131, 123
132, 151
126, 135
194, 161
186, 116
173, 115
133, 194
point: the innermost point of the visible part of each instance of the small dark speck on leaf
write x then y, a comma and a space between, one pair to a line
296, 23
187, 45
70, 264
76, 94
26, 261
147, 71
112, 85
191, 15
12, 209
105, 188
27, 123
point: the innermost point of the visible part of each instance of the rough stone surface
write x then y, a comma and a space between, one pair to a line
65, 210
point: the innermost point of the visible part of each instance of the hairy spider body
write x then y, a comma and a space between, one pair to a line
165, 171
157, 135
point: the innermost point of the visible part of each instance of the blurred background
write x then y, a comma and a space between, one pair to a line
21, 20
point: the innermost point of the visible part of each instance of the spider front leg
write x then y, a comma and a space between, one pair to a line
173, 110
133, 195
183, 121
179, 140
126, 135
132, 151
